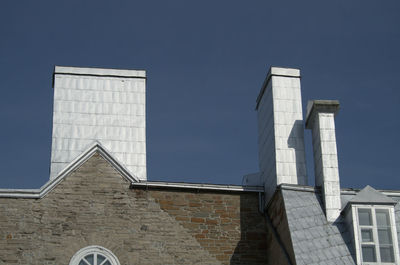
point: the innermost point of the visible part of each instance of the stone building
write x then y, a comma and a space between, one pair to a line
98, 207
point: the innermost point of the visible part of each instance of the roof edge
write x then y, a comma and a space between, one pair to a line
197, 186
343, 191
77, 162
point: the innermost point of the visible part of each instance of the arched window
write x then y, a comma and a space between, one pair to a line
94, 255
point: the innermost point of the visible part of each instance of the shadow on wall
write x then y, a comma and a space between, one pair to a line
252, 246
342, 230
296, 141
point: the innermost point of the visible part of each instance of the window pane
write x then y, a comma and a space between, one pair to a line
364, 216
366, 235
90, 259
387, 254
368, 253
385, 236
82, 263
382, 217
100, 259
107, 263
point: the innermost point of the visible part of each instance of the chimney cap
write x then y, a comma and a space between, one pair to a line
277, 71
317, 106
281, 71
91, 71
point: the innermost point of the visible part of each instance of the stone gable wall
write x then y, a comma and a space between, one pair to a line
95, 206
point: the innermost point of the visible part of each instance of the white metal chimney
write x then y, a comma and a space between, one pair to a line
99, 105
321, 120
281, 130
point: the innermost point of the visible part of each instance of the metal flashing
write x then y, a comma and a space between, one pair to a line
197, 186
296, 187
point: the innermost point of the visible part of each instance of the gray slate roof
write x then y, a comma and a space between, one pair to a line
315, 241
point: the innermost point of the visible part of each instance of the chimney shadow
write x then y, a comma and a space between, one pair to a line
296, 141
341, 226
253, 244
346, 235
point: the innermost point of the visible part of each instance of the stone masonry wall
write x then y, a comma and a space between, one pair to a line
95, 206
228, 226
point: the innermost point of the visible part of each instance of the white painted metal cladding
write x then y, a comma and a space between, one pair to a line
103, 105
281, 130
321, 120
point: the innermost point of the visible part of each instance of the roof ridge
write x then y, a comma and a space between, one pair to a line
370, 195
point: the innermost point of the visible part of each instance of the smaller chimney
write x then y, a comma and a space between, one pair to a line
321, 120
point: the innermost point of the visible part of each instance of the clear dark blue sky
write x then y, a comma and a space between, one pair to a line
206, 61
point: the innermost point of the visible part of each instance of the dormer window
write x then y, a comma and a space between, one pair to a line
370, 214
375, 231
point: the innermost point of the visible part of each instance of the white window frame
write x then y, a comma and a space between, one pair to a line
94, 250
357, 233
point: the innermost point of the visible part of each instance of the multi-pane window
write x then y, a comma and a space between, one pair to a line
94, 259
94, 255
376, 237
